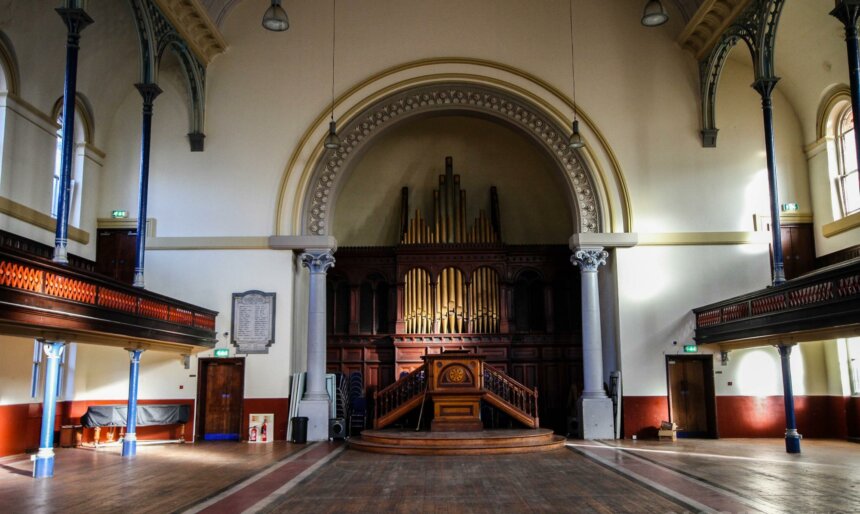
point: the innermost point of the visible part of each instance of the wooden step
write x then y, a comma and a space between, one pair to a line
486, 442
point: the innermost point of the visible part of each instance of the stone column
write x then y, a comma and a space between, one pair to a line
596, 420
315, 402
129, 442
44, 461
792, 438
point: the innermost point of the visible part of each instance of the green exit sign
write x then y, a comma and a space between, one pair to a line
119, 214
790, 207
222, 352
688, 348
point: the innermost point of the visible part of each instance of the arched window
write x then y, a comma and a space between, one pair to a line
82, 134
847, 182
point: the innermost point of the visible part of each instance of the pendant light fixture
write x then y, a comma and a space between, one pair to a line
332, 142
275, 18
654, 14
575, 141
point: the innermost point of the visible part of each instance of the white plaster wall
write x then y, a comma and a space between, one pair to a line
821, 160
657, 287
209, 278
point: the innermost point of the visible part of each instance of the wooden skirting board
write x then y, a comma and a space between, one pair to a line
486, 442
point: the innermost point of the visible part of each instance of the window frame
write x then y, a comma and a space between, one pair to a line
842, 174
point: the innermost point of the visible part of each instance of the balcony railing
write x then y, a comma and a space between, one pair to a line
39, 294
824, 300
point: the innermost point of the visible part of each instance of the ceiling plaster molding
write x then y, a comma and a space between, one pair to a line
708, 24
192, 22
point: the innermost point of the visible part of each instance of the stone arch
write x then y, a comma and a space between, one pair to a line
596, 189
83, 117
450, 97
9, 81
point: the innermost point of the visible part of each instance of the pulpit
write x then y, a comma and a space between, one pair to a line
455, 384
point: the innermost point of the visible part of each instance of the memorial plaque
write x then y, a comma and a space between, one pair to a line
253, 328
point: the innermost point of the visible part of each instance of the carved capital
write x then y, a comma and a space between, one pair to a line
76, 20
53, 350
149, 92
765, 86
589, 259
848, 12
317, 261
134, 355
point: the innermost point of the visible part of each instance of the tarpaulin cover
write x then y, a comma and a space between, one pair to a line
115, 415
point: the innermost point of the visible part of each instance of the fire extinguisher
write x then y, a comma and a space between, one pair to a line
253, 437
263, 432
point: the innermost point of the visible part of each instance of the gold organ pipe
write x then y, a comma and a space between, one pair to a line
423, 305
459, 285
452, 320
407, 311
479, 299
494, 288
462, 220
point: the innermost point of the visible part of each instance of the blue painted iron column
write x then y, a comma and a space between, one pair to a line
765, 86
149, 92
848, 12
792, 438
76, 20
44, 462
129, 442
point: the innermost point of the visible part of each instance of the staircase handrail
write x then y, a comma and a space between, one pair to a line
517, 395
399, 393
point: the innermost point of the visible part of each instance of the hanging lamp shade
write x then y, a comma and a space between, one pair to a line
275, 18
654, 14
332, 142
575, 141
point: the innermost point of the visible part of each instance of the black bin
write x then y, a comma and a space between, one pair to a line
300, 430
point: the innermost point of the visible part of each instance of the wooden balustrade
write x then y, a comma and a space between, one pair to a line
400, 397
826, 299
512, 393
80, 300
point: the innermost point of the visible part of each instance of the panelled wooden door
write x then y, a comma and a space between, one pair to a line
220, 397
691, 395
115, 253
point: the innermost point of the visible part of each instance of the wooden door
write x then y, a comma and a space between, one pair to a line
115, 254
798, 249
691, 392
220, 396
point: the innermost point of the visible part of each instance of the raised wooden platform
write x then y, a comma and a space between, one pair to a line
485, 442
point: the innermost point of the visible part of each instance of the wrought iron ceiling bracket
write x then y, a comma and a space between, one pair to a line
756, 26
156, 35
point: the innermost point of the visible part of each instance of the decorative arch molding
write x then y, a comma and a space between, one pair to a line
9, 66
157, 33
837, 95
84, 115
756, 26
311, 180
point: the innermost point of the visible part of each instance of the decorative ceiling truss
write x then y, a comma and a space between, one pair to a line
180, 26
756, 26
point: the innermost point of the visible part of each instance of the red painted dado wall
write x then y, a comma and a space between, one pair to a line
751, 416
280, 407
21, 424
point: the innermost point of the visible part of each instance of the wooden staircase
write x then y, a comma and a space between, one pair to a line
497, 389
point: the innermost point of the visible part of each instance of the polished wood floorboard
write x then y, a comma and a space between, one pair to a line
160, 479
754, 473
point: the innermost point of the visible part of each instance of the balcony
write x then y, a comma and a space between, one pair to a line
821, 305
39, 298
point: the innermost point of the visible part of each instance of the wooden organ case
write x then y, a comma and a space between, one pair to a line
454, 285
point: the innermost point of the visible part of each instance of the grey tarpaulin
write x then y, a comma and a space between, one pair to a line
115, 415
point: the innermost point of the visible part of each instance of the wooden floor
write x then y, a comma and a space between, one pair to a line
750, 475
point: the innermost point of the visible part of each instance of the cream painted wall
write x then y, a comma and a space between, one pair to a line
758, 372
15, 370
657, 287
209, 278
533, 207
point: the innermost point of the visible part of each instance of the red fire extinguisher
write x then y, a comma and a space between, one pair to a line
263, 432
253, 437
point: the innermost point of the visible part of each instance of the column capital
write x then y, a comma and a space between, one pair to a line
589, 258
149, 92
76, 20
134, 354
848, 12
765, 86
317, 261
53, 349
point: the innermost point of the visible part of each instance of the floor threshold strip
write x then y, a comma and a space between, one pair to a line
265, 484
